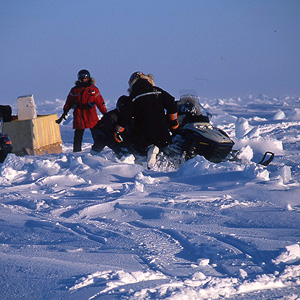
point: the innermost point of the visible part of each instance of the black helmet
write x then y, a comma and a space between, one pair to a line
134, 78
83, 74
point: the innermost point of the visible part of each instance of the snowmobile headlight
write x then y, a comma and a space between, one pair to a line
203, 126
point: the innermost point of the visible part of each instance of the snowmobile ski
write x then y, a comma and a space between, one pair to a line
265, 161
267, 158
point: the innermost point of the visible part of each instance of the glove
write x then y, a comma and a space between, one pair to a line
91, 104
62, 117
174, 124
173, 121
118, 134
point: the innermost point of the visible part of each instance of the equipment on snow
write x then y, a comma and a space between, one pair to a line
5, 146
197, 136
267, 158
5, 141
5, 113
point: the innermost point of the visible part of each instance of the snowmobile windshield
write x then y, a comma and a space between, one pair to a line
190, 104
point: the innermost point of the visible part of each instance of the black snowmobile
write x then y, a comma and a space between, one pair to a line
197, 136
5, 146
5, 141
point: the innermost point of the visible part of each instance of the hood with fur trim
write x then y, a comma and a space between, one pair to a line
148, 77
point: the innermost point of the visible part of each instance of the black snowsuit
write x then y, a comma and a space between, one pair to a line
144, 112
103, 133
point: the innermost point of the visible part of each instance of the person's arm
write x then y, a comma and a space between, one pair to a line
68, 105
125, 113
171, 107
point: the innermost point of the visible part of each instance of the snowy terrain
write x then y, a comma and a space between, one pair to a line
76, 226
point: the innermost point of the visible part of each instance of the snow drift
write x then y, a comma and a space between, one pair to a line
76, 226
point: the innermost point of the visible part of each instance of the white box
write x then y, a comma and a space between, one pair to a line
26, 108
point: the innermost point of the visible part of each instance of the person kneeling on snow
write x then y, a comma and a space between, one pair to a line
144, 112
103, 135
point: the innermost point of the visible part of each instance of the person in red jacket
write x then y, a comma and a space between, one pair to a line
84, 97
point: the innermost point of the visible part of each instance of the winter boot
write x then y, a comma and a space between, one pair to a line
151, 156
78, 135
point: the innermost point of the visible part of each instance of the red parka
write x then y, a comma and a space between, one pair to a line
84, 98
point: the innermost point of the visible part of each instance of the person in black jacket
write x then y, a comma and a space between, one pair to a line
144, 112
103, 135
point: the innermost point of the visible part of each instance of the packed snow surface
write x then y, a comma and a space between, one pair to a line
76, 226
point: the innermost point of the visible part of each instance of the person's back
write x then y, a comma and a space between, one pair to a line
150, 125
143, 113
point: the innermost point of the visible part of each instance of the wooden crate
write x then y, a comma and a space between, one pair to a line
34, 136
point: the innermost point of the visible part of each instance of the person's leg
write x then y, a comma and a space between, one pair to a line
100, 141
78, 135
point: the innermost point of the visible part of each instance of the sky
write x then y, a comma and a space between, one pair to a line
213, 48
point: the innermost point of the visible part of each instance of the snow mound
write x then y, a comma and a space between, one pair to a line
290, 256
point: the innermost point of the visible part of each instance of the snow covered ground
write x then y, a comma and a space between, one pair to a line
76, 226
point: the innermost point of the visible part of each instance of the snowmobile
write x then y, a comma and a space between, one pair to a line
5, 146
5, 143
197, 136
